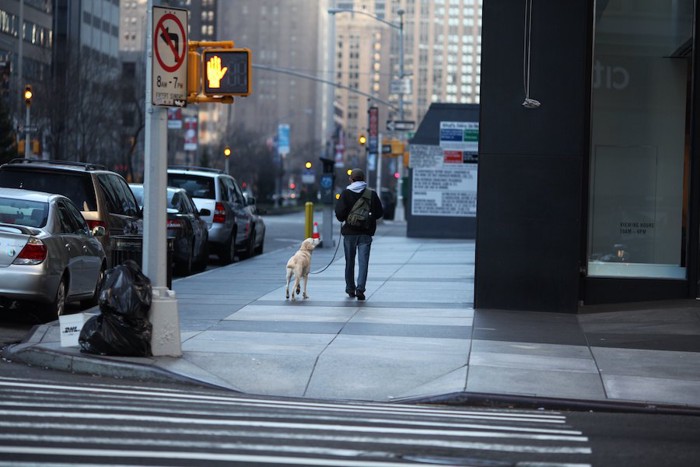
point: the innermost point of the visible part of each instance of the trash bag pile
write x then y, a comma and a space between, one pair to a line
122, 328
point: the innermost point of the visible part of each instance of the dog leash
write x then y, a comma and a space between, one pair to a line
335, 253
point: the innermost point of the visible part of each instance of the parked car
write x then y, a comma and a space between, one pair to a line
234, 225
49, 255
186, 226
103, 197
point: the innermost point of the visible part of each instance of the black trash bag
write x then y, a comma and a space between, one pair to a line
126, 292
122, 328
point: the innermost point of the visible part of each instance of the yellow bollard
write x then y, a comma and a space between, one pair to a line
309, 226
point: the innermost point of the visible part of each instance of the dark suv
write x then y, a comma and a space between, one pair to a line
103, 197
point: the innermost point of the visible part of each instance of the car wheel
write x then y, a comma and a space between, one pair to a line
259, 249
228, 254
58, 307
98, 288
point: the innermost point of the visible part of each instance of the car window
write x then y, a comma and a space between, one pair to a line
227, 189
190, 206
119, 197
175, 201
196, 186
75, 186
138, 193
237, 193
68, 222
22, 212
78, 219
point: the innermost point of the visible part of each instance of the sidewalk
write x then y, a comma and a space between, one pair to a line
416, 338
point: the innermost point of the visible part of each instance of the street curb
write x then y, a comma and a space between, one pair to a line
549, 403
96, 365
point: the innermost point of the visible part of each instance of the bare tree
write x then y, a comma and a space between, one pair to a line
82, 108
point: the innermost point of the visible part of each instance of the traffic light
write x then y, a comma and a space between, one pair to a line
28, 94
362, 139
227, 151
308, 164
227, 72
397, 147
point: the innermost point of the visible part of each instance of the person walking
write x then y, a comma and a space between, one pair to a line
357, 239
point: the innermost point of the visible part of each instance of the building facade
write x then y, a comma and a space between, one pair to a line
588, 170
27, 61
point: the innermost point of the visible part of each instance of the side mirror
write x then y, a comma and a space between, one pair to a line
99, 231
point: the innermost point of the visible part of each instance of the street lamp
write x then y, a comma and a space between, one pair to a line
402, 76
399, 26
227, 154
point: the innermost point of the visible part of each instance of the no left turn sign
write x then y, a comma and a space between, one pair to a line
169, 86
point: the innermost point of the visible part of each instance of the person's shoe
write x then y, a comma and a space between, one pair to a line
360, 295
351, 294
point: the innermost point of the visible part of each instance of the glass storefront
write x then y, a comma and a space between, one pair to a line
640, 139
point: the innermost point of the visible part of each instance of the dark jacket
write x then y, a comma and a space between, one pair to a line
344, 206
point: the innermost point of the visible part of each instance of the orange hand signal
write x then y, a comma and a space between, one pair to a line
215, 72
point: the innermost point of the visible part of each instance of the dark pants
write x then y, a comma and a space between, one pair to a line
356, 245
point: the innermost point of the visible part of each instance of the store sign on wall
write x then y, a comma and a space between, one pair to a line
460, 142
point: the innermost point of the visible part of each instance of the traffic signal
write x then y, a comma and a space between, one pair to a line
397, 147
308, 164
227, 72
28, 94
227, 151
362, 139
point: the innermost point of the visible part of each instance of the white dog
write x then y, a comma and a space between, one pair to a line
299, 266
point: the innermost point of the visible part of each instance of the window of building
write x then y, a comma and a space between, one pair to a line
639, 142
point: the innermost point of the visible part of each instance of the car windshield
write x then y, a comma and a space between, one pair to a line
76, 187
138, 193
196, 187
21, 212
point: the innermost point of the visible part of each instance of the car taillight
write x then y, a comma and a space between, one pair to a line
34, 252
93, 223
219, 213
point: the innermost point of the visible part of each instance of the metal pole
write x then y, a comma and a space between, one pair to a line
163, 314
27, 140
400, 214
20, 56
401, 63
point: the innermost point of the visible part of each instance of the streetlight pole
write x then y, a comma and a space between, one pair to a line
402, 77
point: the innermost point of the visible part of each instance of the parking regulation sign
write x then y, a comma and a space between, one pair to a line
169, 86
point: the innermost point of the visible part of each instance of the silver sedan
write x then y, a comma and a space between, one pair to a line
48, 255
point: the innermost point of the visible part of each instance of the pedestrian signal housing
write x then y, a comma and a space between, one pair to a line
227, 72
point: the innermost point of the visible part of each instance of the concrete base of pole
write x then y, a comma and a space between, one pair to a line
164, 317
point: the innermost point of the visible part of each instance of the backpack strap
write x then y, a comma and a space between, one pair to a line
367, 194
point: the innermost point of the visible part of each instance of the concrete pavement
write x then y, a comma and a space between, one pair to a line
417, 337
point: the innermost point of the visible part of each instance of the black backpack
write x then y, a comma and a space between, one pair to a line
361, 212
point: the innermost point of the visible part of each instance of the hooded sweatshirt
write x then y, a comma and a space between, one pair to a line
347, 200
